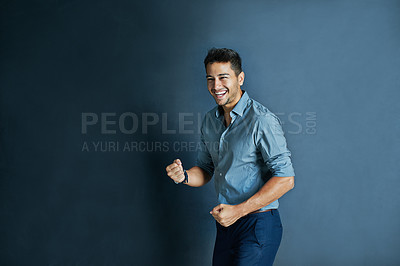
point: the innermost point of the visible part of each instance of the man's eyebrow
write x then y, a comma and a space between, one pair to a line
222, 74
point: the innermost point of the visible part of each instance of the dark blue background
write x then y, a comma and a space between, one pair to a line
329, 66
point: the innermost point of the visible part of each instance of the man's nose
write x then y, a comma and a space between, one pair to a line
217, 84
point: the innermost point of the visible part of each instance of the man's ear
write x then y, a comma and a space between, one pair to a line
241, 78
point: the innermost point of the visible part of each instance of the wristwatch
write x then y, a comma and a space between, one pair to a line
184, 180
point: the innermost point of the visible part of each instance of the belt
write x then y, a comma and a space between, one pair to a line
258, 211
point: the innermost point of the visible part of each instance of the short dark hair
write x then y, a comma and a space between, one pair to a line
224, 55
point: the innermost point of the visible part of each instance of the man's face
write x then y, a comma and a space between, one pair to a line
223, 84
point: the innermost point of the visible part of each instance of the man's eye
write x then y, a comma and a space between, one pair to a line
223, 77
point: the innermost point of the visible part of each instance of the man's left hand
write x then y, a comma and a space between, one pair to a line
226, 215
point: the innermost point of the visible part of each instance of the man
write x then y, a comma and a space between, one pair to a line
244, 148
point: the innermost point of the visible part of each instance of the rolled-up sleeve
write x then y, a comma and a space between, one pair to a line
271, 142
204, 159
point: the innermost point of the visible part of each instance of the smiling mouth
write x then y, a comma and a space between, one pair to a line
220, 94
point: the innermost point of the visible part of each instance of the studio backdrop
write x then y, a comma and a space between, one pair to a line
98, 97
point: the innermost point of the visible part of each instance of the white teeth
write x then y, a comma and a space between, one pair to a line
220, 93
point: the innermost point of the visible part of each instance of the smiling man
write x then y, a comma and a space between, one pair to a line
250, 164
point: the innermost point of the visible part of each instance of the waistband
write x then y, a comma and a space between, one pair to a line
258, 211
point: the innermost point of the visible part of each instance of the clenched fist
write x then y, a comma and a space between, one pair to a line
175, 171
226, 215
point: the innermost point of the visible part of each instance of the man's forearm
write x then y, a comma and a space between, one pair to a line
197, 177
275, 188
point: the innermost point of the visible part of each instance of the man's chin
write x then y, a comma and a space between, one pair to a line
221, 102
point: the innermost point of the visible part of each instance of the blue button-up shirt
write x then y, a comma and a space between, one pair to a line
244, 155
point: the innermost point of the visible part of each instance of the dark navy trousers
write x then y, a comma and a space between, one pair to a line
252, 240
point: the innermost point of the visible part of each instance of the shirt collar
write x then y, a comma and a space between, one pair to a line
239, 107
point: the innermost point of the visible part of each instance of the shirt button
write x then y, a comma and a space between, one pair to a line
220, 174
